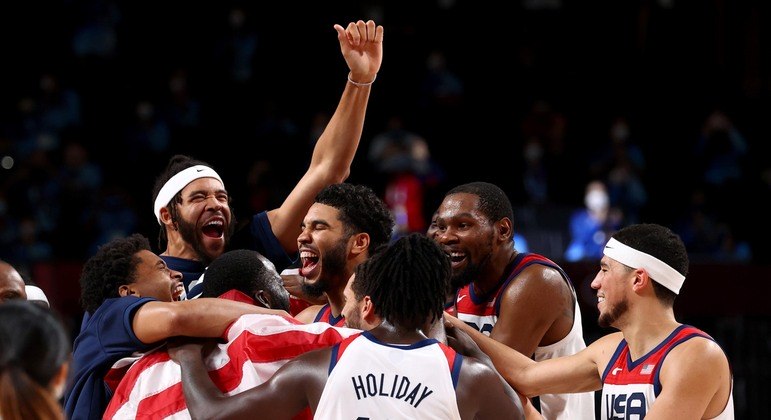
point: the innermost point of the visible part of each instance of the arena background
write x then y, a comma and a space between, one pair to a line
97, 95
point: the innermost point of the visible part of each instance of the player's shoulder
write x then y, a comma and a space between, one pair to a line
309, 314
698, 349
537, 279
473, 370
542, 272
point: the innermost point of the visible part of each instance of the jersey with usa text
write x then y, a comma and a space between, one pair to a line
325, 315
630, 387
481, 312
372, 379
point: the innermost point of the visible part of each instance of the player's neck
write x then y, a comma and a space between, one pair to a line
647, 331
494, 271
389, 333
336, 300
177, 247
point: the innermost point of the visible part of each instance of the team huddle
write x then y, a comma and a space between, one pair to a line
453, 323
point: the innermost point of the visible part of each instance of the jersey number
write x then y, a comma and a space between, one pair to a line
486, 328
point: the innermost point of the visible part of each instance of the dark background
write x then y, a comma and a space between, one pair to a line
511, 71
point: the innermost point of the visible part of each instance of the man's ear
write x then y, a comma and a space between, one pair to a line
367, 309
504, 229
641, 280
360, 243
166, 218
262, 298
124, 290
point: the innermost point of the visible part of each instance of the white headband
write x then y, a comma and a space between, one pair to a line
180, 181
659, 271
36, 293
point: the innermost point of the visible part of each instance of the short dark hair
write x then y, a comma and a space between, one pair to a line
113, 264
360, 210
33, 348
245, 271
660, 242
493, 202
407, 281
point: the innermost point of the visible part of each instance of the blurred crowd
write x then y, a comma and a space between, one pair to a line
103, 92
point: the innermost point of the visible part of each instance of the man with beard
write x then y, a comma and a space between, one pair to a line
522, 300
391, 370
193, 207
343, 226
655, 367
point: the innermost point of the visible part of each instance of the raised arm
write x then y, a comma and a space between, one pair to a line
577, 373
286, 393
361, 44
205, 317
695, 382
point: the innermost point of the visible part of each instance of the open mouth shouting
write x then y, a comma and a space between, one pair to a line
214, 227
310, 264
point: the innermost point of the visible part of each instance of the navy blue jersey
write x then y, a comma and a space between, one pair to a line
105, 337
191, 269
264, 241
325, 315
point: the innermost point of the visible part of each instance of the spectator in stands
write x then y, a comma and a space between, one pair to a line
592, 225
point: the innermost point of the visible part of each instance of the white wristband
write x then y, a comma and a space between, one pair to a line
361, 84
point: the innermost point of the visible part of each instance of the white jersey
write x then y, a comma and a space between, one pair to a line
371, 379
564, 406
481, 313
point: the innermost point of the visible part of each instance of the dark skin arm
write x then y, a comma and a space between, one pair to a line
495, 402
464, 345
536, 309
206, 317
294, 386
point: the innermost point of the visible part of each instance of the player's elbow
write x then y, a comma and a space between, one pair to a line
343, 174
337, 172
517, 378
328, 173
527, 390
